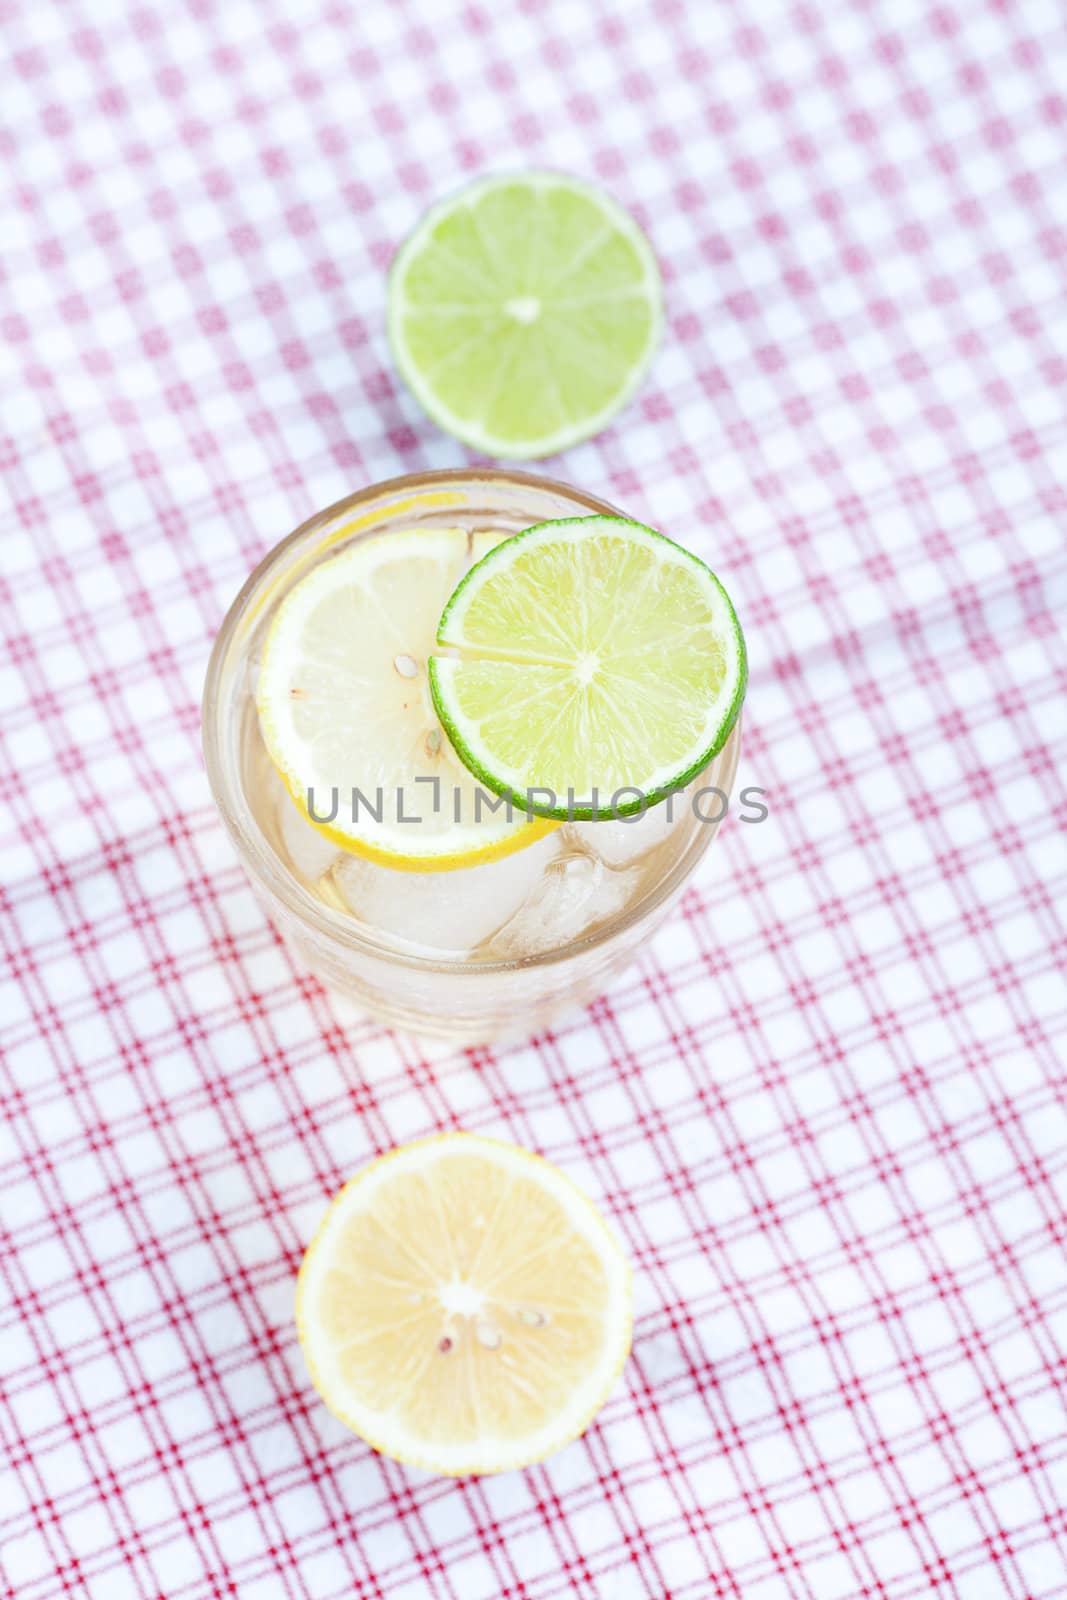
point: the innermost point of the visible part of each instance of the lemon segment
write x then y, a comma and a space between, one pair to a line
344, 704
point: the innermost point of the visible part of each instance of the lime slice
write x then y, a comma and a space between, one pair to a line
524, 311
344, 703
463, 1306
598, 660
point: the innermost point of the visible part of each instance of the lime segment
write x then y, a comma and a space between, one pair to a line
600, 666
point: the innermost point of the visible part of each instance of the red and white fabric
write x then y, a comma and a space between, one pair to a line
826, 1110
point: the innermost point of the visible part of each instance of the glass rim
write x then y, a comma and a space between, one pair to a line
265, 865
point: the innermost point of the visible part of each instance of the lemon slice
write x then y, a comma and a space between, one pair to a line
524, 312
463, 1306
601, 666
344, 704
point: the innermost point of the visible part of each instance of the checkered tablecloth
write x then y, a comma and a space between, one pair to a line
826, 1109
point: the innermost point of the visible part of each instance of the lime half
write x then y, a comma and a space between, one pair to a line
600, 666
524, 311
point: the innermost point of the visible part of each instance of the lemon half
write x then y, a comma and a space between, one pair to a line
464, 1307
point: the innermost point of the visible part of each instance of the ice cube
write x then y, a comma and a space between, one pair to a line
576, 892
448, 911
618, 841
310, 853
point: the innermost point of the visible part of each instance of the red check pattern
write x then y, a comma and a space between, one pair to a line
826, 1110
